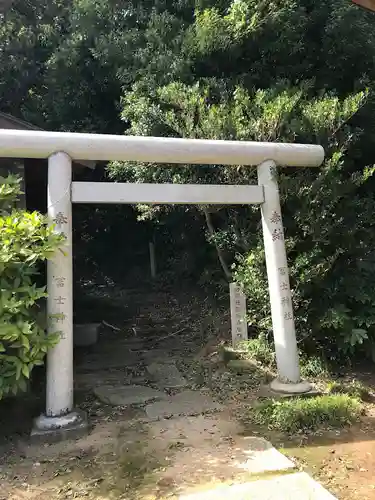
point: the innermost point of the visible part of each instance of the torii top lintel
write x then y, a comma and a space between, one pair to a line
105, 147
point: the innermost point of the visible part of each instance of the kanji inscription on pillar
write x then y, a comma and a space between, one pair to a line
60, 219
275, 217
60, 300
57, 318
56, 322
277, 234
283, 271
285, 301
59, 281
238, 314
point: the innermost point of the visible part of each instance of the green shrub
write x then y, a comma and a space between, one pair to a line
25, 240
307, 414
354, 389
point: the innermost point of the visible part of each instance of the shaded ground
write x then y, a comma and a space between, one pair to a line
343, 462
130, 454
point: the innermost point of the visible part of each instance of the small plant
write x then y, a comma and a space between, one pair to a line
26, 239
313, 367
354, 389
260, 350
307, 414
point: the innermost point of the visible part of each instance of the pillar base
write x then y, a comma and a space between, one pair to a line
53, 429
290, 388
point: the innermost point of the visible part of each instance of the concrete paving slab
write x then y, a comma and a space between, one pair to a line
184, 403
126, 395
260, 456
298, 486
166, 375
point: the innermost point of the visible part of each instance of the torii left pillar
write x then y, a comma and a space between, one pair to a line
60, 420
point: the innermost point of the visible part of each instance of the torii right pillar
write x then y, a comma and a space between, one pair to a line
287, 359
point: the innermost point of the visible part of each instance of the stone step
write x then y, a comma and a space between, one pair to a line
166, 375
184, 403
127, 395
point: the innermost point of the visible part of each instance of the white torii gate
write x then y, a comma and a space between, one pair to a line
61, 148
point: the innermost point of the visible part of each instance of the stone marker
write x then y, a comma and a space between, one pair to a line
126, 395
184, 403
237, 314
166, 375
298, 486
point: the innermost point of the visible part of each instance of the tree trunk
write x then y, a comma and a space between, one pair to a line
220, 255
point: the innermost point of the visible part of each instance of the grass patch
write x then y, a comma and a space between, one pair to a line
313, 367
354, 389
259, 350
262, 352
307, 414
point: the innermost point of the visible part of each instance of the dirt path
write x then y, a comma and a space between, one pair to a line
135, 449
177, 431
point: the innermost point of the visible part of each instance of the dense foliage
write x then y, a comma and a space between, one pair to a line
248, 70
25, 240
